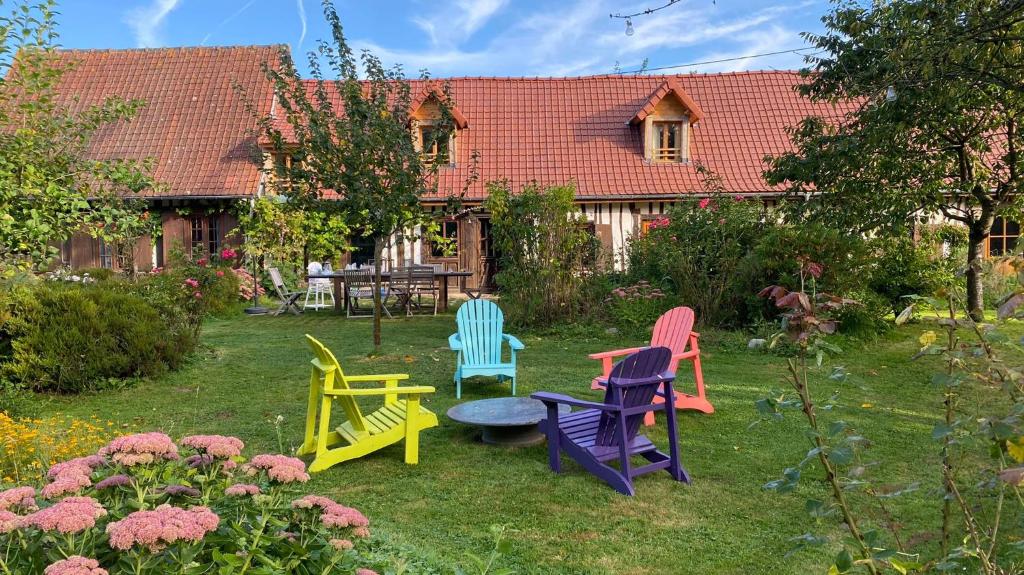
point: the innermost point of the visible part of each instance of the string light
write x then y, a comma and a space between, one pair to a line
629, 17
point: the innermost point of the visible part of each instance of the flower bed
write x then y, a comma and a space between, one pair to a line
145, 505
29, 446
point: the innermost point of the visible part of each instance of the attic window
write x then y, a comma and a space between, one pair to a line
434, 146
668, 141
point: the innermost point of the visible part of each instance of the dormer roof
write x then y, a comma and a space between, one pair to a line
669, 88
432, 91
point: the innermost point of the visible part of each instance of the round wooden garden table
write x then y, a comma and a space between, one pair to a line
505, 420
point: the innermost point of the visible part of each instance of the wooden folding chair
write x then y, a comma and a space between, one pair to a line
288, 298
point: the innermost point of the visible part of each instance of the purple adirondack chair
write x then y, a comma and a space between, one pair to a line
603, 432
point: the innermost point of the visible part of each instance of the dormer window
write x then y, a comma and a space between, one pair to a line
668, 141
665, 120
436, 148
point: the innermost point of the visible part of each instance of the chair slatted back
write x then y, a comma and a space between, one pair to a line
632, 383
672, 330
324, 365
421, 278
277, 280
361, 279
480, 325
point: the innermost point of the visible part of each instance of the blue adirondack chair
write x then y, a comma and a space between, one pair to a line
603, 432
478, 344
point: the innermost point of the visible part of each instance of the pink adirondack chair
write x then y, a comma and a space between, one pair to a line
674, 330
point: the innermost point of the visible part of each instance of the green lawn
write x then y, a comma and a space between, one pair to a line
252, 369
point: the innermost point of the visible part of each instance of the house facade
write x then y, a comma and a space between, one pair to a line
630, 144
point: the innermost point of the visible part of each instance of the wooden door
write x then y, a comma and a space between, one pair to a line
469, 250
488, 257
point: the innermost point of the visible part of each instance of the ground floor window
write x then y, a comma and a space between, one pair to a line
362, 249
1003, 238
106, 255
205, 234
449, 229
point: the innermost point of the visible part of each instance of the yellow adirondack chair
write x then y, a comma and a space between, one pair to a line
398, 419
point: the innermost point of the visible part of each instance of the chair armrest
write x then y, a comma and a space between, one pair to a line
382, 377
686, 355
694, 335
417, 390
566, 400
513, 342
614, 353
454, 342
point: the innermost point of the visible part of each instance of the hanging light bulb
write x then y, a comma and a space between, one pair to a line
629, 27
890, 94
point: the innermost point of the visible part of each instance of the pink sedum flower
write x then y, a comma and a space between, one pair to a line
242, 489
220, 446
341, 544
22, 497
333, 514
165, 525
281, 468
69, 515
140, 449
192, 283
365, 571
75, 565
9, 521
85, 464
70, 482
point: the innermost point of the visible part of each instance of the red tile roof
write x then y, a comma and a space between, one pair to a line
194, 122
556, 130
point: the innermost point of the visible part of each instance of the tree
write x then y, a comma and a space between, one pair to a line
938, 87
46, 181
350, 145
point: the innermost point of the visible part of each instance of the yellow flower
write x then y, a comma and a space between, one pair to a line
927, 338
1015, 447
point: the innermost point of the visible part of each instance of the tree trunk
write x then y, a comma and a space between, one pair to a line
977, 232
378, 251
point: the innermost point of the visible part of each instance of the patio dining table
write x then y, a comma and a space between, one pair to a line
338, 278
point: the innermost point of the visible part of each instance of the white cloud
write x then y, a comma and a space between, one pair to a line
576, 37
458, 21
146, 22
302, 19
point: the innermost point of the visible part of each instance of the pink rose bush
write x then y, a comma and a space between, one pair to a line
139, 506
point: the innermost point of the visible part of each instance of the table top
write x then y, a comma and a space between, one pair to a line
501, 412
341, 274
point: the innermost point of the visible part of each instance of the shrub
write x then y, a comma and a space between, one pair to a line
635, 308
903, 267
70, 338
546, 253
843, 259
138, 506
696, 252
29, 446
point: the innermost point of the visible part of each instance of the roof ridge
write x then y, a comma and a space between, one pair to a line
662, 77
173, 48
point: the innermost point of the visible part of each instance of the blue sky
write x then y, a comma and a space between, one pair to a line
468, 37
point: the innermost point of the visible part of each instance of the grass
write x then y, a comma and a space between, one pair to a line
253, 369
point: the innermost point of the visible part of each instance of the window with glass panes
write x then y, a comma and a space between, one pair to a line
435, 145
1004, 237
668, 141
448, 229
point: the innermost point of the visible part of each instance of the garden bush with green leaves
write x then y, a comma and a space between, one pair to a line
696, 252
145, 505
